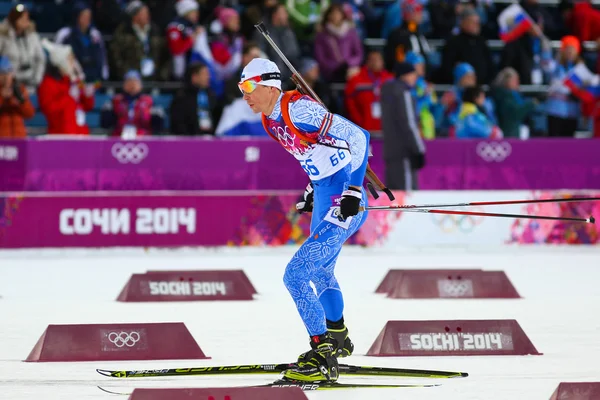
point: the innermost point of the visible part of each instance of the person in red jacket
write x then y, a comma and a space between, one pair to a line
131, 114
590, 104
590, 108
63, 97
581, 18
363, 91
182, 34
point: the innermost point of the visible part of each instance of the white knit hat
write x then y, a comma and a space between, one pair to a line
58, 55
261, 66
185, 6
134, 7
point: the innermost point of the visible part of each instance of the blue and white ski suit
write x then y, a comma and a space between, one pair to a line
331, 170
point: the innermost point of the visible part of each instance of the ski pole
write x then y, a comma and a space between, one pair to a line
589, 220
374, 183
300, 80
487, 203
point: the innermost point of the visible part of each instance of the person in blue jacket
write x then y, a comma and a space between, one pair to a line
473, 120
87, 43
430, 111
464, 77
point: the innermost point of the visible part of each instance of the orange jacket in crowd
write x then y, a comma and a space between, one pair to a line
362, 98
64, 105
13, 114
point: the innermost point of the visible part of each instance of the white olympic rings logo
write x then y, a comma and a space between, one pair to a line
122, 339
453, 223
284, 136
455, 288
494, 151
132, 153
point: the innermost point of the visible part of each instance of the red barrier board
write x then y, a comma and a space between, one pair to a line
116, 342
448, 284
425, 284
188, 286
577, 391
452, 338
394, 277
242, 276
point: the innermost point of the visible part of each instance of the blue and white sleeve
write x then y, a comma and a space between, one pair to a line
358, 142
308, 116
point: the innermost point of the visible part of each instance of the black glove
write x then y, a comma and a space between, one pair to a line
17, 92
418, 161
350, 203
307, 204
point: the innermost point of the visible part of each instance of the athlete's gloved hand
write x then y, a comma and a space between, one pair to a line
307, 204
350, 203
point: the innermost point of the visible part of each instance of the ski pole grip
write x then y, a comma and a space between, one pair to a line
372, 190
389, 193
262, 28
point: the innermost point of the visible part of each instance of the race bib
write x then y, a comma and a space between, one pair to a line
537, 78
332, 216
147, 67
129, 132
376, 110
79, 117
204, 121
324, 161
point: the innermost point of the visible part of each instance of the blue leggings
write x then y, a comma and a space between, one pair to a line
315, 261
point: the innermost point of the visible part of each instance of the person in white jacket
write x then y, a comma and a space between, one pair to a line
20, 42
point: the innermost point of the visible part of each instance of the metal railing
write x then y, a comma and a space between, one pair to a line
156, 87
543, 2
492, 43
529, 89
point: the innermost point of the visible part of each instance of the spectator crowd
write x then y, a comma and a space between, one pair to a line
64, 52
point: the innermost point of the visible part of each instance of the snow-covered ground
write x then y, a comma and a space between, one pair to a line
559, 312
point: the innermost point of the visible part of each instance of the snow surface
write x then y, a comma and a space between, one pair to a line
559, 312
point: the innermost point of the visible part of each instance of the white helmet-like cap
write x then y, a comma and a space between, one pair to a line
58, 55
185, 6
266, 69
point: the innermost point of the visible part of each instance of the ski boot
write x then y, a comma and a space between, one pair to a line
344, 347
339, 331
319, 365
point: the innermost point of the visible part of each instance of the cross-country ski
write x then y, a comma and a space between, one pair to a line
344, 369
310, 386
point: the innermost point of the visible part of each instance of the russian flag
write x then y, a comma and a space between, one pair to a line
580, 79
218, 73
239, 120
514, 23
